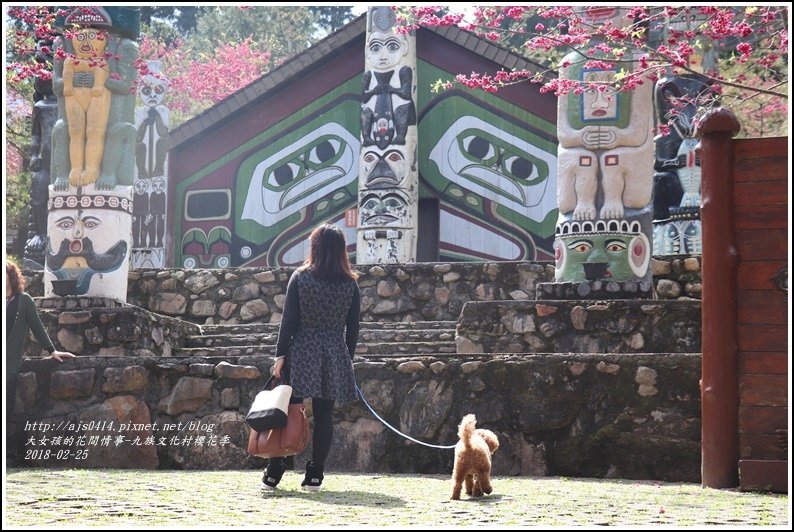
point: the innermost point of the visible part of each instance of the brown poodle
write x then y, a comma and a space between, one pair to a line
473, 459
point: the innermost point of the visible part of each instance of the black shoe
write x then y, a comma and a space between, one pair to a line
313, 478
273, 473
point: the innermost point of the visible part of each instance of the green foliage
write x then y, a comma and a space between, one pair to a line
331, 18
284, 31
182, 19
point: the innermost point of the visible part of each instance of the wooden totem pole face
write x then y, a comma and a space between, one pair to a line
385, 50
600, 102
152, 90
89, 43
87, 242
602, 251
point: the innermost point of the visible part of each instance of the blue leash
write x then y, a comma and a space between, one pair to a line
397, 431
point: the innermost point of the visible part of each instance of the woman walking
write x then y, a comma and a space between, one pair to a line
316, 343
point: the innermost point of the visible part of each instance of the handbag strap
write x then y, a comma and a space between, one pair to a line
271, 379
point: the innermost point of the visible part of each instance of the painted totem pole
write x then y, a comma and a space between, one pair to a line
151, 154
388, 176
90, 200
676, 202
604, 180
45, 112
676, 193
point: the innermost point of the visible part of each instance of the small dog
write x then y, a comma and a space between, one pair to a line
473, 459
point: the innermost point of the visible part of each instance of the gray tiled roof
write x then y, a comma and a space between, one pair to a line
341, 39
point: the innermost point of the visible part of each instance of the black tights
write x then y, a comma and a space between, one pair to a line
323, 414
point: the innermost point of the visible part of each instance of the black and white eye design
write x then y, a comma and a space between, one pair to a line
478, 147
324, 151
393, 45
285, 173
520, 167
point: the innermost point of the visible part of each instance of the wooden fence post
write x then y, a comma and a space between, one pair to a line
719, 387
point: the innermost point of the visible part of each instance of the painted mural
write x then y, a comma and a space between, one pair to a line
90, 199
259, 204
494, 168
151, 163
353, 156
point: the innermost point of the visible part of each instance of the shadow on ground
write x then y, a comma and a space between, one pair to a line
345, 498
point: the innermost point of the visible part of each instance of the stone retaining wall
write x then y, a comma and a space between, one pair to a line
114, 330
595, 415
404, 292
612, 326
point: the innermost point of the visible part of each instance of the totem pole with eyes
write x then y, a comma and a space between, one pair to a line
90, 198
604, 178
676, 180
676, 226
388, 175
151, 154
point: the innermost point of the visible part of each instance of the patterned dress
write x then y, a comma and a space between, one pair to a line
318, 336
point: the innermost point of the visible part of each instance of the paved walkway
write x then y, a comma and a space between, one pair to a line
53, 498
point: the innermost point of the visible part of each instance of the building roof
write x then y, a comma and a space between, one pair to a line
343, 38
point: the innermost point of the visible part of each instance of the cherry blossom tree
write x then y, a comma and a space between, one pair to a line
197, 81
195, 84
747, 48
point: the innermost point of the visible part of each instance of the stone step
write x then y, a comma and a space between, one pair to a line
229, 340
401, 349
248, 356
613, 326
406, 348
252, 328
365, 336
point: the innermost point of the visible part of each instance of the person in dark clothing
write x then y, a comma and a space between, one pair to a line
21, 318
316, 343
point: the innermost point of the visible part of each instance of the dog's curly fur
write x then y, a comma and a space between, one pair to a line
473, 459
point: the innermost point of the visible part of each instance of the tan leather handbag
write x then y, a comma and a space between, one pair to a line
288, 441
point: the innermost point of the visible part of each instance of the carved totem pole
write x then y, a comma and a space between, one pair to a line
676, 181
604, 181
388, 177
90, 200
676, 201
45, 112
151, 154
